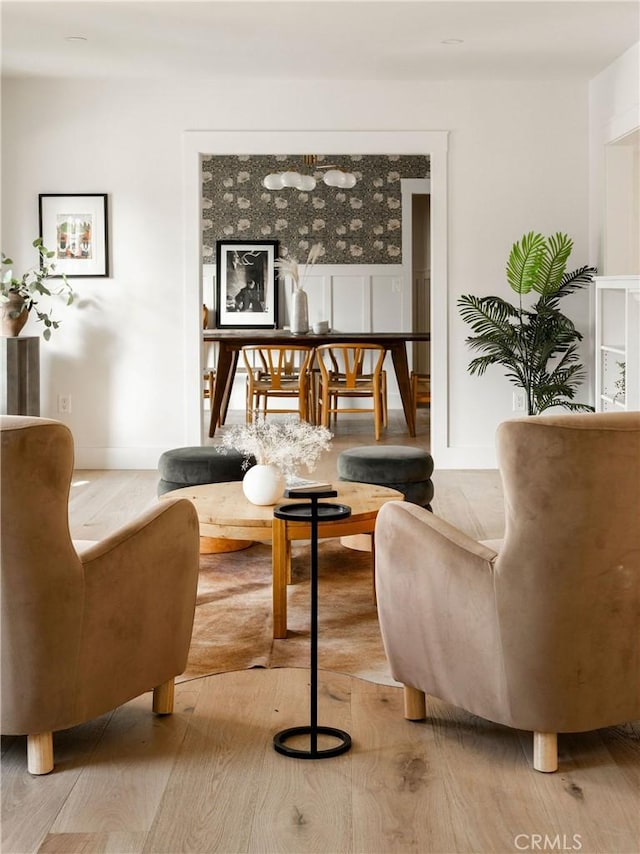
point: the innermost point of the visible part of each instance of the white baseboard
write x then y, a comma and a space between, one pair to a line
464, 458
117, 458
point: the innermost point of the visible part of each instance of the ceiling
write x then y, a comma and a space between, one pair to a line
358, 40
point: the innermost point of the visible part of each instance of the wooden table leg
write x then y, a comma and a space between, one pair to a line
279, 567
223, 371
401, 367
229, 386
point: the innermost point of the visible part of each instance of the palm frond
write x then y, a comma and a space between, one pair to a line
554, 261
572, 282
525, 259
486, 314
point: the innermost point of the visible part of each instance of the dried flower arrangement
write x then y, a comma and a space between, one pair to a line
290, 266
285, 444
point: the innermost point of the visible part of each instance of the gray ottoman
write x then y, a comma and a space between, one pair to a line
182, 467
403, 468
195, 466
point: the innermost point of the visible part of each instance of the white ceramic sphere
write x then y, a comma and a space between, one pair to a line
263, 484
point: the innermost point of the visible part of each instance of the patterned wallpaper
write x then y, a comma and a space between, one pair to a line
358, 226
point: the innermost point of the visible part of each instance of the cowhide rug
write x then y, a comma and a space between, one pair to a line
233, 627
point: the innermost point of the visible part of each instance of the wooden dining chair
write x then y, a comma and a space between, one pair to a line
209, 378
420, 390
277, 372
209, 374
343, 374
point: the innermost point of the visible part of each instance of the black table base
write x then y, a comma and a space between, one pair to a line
311, 511
343, 738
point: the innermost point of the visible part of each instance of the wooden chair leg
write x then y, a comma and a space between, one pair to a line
325, 408
415, 706
163, 698
545, 751
414, 396
40, 753
248, 415
385, 406
377, 412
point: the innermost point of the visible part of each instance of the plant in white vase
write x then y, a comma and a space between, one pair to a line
279, 448
20, 296
290, 266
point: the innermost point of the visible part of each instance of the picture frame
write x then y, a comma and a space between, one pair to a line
74, 227
246, 284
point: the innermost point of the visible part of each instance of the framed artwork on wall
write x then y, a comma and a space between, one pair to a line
74, 227
246, 284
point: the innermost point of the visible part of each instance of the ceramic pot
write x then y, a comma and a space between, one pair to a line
299, 312
13, 319
263, 484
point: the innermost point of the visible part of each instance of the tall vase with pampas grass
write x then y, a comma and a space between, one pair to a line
299, 312
299, 320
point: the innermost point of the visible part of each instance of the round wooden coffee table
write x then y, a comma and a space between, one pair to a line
225, 513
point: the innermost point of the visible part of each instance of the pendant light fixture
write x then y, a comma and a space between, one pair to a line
333, 177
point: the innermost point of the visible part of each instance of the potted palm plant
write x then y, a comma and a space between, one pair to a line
537, 345
20, 296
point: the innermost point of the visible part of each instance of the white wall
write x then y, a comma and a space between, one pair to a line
614, 112
517, 161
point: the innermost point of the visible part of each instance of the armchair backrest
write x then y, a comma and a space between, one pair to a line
567, 578
42, 576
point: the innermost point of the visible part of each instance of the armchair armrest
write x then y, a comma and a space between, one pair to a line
140, 593
436, 604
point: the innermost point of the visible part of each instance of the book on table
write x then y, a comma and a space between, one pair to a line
301, 484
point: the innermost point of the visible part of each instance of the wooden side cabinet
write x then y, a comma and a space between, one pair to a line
617, 343
20, 372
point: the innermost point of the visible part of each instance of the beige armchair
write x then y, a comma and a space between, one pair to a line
82, 634
539, 631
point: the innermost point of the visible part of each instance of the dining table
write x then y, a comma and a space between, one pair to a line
231, 341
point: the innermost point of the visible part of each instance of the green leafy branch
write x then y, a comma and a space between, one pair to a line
32, 285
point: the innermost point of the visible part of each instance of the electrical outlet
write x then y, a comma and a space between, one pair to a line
519, 401
64, 403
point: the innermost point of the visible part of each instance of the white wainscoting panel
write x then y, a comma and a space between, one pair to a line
352, 297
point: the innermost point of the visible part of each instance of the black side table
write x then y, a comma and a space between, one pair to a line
312, 511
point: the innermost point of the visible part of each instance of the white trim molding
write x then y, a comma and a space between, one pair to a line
197, 144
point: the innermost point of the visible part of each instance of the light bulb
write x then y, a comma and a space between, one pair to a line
333, 178
349, 180
273, 181
307, 183
290, 179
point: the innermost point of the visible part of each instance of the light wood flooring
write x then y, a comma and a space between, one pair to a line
206, 779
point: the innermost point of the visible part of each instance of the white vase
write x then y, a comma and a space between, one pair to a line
263, 484
299, 312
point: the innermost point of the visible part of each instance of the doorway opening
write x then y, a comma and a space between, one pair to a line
200, 143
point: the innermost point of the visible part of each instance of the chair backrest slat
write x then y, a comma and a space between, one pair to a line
283, 371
